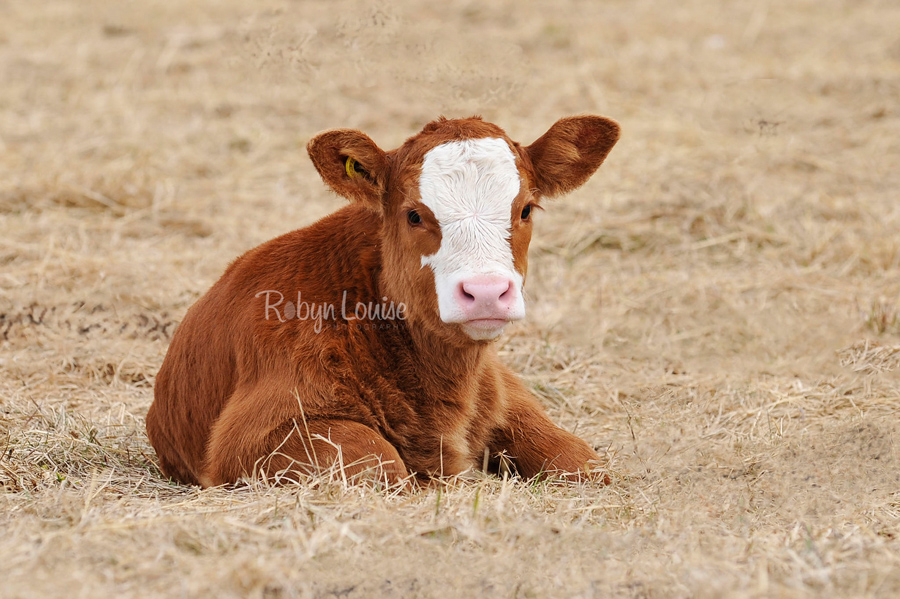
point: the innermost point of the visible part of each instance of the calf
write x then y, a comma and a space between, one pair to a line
365, 339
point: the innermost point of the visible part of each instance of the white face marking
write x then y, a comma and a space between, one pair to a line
470, 186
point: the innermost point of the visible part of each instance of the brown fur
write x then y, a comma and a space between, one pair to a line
242, 394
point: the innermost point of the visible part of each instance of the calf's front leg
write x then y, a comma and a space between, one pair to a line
536, 445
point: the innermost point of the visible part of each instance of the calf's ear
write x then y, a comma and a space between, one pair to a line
570, 151
351, 164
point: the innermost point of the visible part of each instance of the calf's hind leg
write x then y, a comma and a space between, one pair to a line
295, 448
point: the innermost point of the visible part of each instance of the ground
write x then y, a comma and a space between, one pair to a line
717, 310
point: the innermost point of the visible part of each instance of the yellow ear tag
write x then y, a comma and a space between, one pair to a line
350, 167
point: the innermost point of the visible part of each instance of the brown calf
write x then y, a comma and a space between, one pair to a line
365, 338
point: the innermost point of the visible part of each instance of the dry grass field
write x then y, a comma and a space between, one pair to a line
718, 309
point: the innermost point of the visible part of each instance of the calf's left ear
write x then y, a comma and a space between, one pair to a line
570, 151
351, 164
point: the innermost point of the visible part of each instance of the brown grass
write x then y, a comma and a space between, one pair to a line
717, 309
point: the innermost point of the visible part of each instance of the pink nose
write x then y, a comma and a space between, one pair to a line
486, 297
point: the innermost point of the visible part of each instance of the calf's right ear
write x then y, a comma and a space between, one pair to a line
351, 164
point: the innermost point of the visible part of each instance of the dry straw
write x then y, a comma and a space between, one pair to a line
716, 310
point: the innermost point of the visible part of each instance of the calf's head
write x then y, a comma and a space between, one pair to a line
457, 202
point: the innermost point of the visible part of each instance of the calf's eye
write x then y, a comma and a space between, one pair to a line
413, 217
526, 212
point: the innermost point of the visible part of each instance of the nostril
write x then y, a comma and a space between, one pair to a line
464, 295
486, 293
